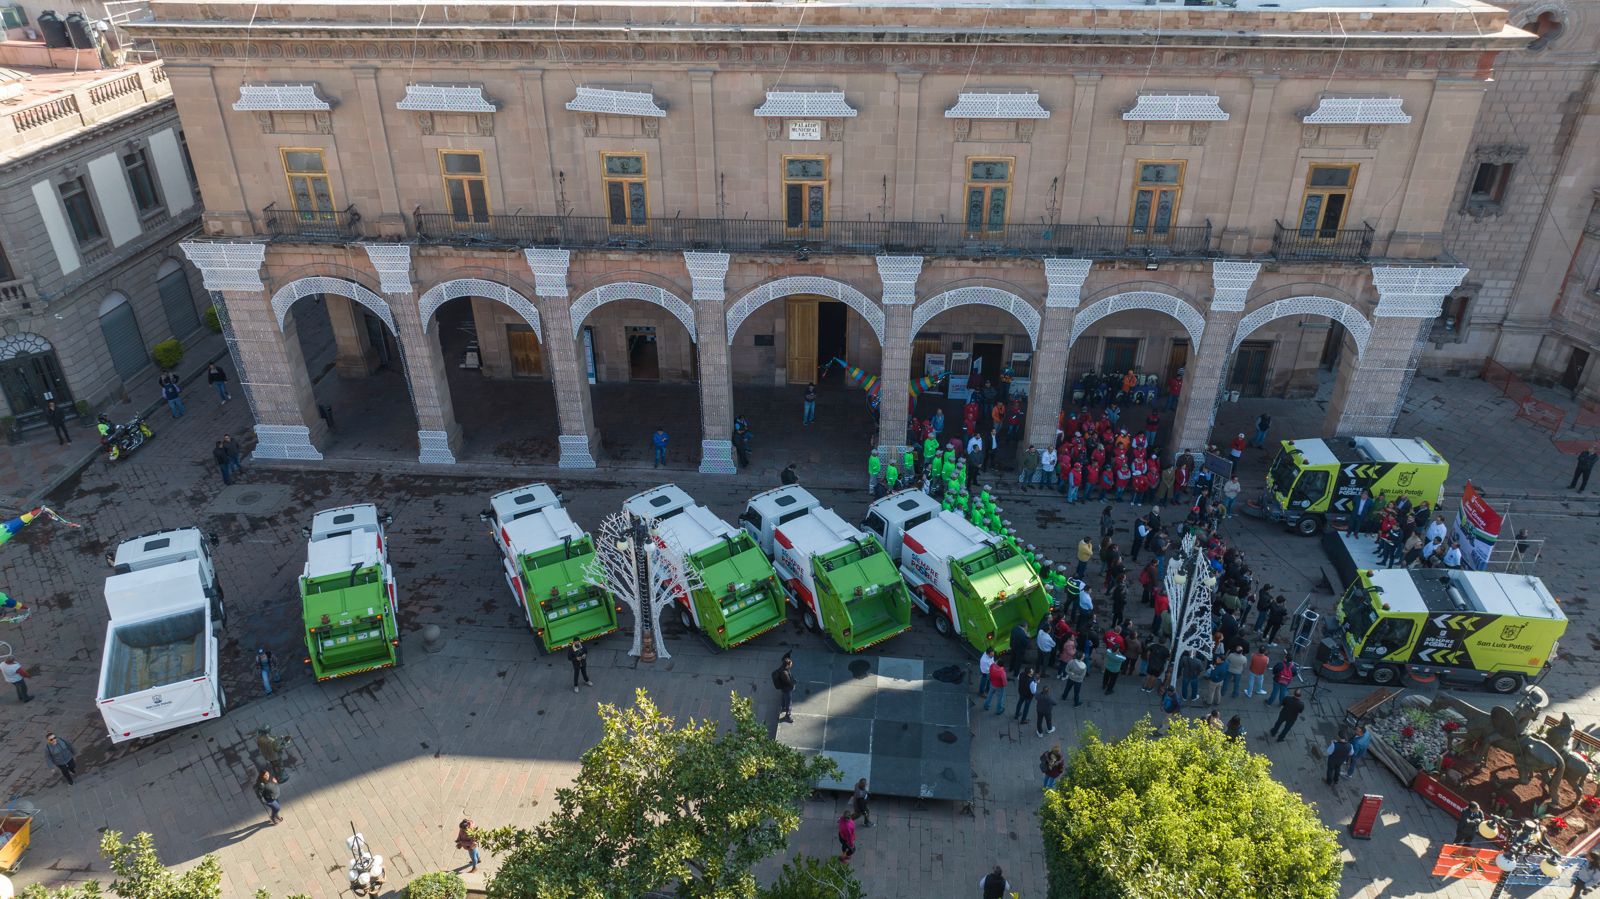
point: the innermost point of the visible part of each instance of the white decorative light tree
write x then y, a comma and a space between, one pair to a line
1190, 585
615, 567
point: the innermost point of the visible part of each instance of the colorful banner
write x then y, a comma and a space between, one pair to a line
1477, 528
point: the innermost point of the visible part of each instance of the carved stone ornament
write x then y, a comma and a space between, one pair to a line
1025, 130
1499, 153
590, 124
1309, 135
1374, 136
774, 128
264, 119
425, 122
836, 129
485, 124
963, 128
1135, 132
650, 126
1198, 131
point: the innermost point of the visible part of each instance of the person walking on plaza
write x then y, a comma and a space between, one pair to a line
858, 803
1262, 424
788, 476
1085, 553
264, 664
1580, 475
1030, 468
1190, 667
272, 751
1230, 493
465, 840
16, 676
1113, 662
1288, 714
1237, 663
173, 394
1255, 683
810, 414
1046, 644
783, 679
219, 455
1587, 875
847, 837
1044, 721
267, 793
994, 885
997, 687
985, 662
1338, 753
658, 442
1283, 674
1467, 824
232, 449
1358, 748
60, 754
57, 417
218, 379
1214, 681
1052, 765
1276, 615
578, 655
1236, 452
1027, 686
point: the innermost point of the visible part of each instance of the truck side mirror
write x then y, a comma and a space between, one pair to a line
306, 533
388, 520
213, 539
484, 516
561, 498
111, 560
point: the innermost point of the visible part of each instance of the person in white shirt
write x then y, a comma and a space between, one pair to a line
1047, 466
1085, 606
1046, 642
984, 664
1437, 531
1452, 556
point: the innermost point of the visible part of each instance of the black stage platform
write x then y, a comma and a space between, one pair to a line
885, 719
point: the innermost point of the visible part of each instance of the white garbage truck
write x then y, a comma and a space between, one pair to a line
159, 670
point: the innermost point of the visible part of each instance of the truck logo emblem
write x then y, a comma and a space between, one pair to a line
1511, 631
1404, 479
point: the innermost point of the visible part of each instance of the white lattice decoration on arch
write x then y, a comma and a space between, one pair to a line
805, 284
1353, 321
1165, 303
227, 265
392, 262
294, 291
632, 290
439, 294
1020, 309
1230, 283
1414, 291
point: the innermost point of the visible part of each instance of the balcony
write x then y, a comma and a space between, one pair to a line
849, 238
312, 226
1312, 245
17, 294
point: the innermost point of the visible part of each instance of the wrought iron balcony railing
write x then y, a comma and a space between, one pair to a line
313, 226
844, 237
1315, 244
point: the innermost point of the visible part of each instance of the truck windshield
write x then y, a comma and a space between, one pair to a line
1282, 473
1358, 612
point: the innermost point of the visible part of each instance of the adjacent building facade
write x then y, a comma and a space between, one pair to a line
738, 193
96, 190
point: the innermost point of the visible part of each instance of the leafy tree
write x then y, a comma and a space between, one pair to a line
1191, 814
437, 885
657, 804
813, 878
140, 875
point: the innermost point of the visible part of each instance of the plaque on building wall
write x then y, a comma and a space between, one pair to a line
805, 129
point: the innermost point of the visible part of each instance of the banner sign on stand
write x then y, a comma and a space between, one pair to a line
1477, 528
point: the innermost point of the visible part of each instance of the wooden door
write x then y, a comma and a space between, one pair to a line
800, 321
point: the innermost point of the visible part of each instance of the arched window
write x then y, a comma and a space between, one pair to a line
176, 298
121, 331
1548, 26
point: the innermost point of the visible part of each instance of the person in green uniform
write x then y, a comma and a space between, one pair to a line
874, 466
892, 477
909, 463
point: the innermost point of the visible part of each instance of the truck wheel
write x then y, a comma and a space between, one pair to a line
1505, 683
811, 621
685, 619
941, 623
1385, 675
1308, 526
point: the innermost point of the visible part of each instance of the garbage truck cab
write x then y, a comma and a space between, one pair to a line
1316, 483
347, 594
771, 508
1465, 627
841, 579
729, 591
974, 584
890, 517
544, 557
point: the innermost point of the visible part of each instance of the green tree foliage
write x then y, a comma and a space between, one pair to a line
213, 320
657, 804
168, 353
1191, 814
140, 875
438, 885
813, 878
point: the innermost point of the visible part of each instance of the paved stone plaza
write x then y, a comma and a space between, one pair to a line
489, 729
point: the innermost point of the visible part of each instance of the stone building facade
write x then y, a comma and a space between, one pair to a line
96, 191
741, 194
1524, 206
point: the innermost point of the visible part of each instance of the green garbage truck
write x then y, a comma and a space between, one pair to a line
727, 589
544, 556
347, 594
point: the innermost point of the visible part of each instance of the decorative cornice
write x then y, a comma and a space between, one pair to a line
1414, 291
1230, 284
899, 276
393, 264
606, 101
1065, 278
549, 271
708, 273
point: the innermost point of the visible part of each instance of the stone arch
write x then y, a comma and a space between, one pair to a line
26, 343
1191, 318
1351, 318
805, 284
596, 297
456, 288
1020, 309
300, 288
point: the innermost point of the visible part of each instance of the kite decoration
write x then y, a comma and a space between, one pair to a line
12, 611
855, 377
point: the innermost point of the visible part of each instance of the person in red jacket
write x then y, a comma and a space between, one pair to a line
1108, 480
1162, 603
997, 687
1124, 476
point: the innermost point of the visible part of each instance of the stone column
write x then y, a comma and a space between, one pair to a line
271, 370
354, 355
579, 438
1368, 395
899, 277
907, 105
390, 218
1207, 372
1048, 383
708, 272
438, 433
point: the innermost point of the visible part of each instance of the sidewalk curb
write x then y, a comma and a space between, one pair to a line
76, 468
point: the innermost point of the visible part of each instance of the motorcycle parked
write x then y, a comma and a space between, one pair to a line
120, 440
